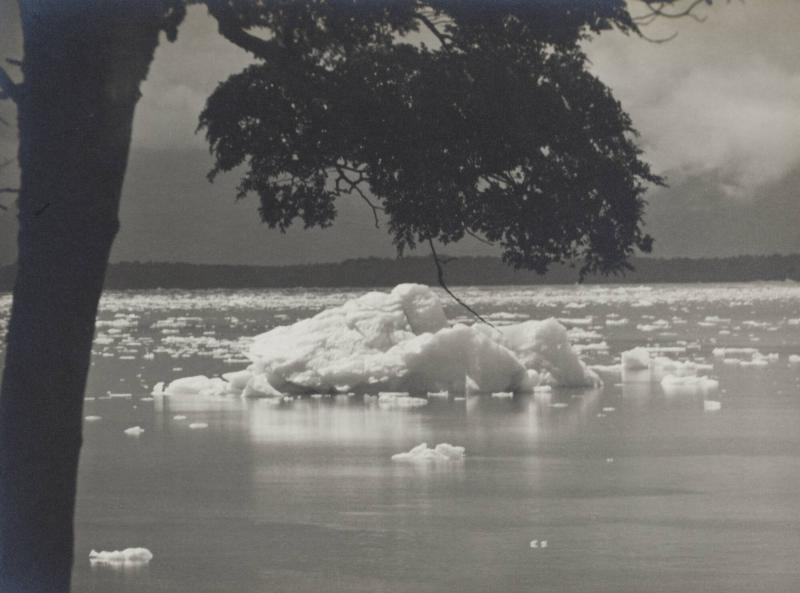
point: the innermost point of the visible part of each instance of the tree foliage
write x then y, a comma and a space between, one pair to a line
451, 117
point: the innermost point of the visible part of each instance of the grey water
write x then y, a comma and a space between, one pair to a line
632, 488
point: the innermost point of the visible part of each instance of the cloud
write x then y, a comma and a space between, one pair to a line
181, 78
721, 100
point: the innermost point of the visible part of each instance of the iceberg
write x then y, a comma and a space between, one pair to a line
400, 341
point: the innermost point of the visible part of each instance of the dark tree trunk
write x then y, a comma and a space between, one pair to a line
83, 64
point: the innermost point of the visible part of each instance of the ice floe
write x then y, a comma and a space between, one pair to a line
128, 556
441, 452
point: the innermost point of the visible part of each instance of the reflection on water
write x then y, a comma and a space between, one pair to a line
634, 488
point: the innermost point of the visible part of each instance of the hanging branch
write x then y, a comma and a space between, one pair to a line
657, 9
353, 186
443, 284
660, 9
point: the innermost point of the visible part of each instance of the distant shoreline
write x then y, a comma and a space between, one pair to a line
476, 271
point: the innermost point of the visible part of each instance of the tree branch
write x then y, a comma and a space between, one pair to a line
478, 237
353, 187
658, 9
443, 284
443, 38
9, 88
231, 30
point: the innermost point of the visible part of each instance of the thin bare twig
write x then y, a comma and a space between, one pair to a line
478, 237
659, 9
443, 284
9, 88
353, 186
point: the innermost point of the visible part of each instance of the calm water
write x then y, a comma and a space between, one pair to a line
654, 495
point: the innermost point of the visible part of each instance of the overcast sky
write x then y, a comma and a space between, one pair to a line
718, 109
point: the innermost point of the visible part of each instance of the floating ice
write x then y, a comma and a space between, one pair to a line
197, 385
673, 384
711, 405
126, 556
198, 425
794, 359
400, 400
503, 394
399, 341
93, 418
442, 452
641, 364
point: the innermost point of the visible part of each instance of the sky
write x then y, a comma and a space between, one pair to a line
718, 109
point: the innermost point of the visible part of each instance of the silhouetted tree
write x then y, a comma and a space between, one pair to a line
498, 131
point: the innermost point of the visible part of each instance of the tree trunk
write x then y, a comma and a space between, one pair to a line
83, 64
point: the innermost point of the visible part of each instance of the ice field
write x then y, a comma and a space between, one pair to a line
647, 438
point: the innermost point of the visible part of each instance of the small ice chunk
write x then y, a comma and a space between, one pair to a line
711, 405
400, 400
179, 417
198, 425
794, 359
503, 394
444, 393
117, 557
134, 431
93, 418
442, 452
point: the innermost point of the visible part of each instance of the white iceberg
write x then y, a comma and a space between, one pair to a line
441, 452
134, 431
399, 341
